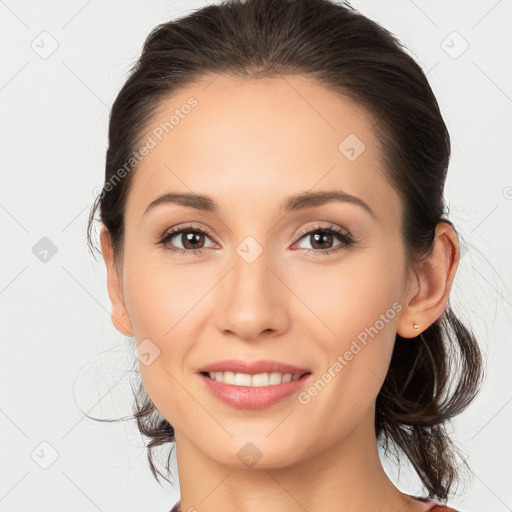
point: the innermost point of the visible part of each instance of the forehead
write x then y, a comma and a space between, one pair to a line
263, 139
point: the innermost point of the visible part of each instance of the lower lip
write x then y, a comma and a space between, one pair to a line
248, 397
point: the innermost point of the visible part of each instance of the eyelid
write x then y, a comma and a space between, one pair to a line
327, 226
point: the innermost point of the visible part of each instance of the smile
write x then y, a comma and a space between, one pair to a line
253, 391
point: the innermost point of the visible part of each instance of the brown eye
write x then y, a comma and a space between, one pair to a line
321, 239
192, 239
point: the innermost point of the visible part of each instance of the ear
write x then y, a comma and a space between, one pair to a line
119, 314
426, 299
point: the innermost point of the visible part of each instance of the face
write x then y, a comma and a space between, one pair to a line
263, 277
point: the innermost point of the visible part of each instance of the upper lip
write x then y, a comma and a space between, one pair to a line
253, 367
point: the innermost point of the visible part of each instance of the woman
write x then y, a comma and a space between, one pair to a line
276, 241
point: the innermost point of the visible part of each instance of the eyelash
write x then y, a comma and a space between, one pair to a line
345, 237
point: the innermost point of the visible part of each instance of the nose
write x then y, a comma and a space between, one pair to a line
252, 301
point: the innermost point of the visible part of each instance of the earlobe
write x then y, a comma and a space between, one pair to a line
428, 298
119, 314
123, 325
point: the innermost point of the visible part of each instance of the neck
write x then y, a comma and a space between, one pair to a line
346, 476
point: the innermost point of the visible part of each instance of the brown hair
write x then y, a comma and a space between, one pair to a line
431, 378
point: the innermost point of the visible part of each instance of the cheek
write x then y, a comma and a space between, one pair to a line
359, 304
359, 292
158, 294
162, 302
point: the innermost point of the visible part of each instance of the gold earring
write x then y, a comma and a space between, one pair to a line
416, 326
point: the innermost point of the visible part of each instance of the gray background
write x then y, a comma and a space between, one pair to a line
62, 64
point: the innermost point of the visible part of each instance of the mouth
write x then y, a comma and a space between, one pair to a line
254, 380
253, 391
253, 384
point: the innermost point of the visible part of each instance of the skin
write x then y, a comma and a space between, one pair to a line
250, 144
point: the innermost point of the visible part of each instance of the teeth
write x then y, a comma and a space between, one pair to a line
260, 379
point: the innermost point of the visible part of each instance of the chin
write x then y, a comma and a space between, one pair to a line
258, 453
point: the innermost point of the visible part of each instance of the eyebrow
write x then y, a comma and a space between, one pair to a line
293, 203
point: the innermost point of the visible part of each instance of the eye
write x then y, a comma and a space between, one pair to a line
192, 239
322, 236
